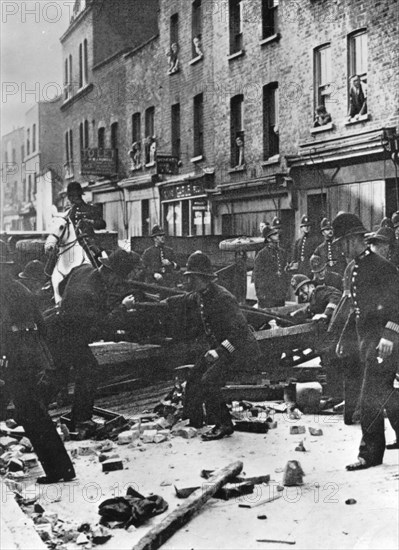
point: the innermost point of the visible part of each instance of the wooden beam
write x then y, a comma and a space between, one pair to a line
160, 533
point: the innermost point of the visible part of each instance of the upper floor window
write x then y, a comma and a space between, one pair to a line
237, 135
196, 29
81, 136
198, 125
236, 25
136, 149
28, 141
271, 144
357, 81
33, 138
80, 65
136, 128
173, 53
85, 62
150, 141
68, 154
322, 85
269, 17
176, 130
86, 134
114, 135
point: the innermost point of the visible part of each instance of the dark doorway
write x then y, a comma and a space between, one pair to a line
317, 208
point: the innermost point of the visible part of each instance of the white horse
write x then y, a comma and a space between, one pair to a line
64, 244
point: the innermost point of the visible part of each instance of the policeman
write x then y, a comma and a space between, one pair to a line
26, 363
321, 300
34, 278
159, 260
329, 251
86, 218
374, 290
395, 247
91, 304
383, 242
269, 275
304, 248
321, 276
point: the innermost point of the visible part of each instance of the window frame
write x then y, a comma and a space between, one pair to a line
269, 14
322, 91
198, 125
196, 24
237, 128
176, 130
236, 26
271, 139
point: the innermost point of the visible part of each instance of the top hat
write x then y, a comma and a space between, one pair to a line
276, 223
395, 219
316, 264
33, 270
305, 222
5, 255
346, 225
325, 224
268, 231
74, 187
198, 263
383, 235
121, 262
157, 231
298, 281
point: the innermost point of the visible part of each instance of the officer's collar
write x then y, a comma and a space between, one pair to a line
364, 254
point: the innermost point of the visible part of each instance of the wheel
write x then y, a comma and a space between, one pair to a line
242, 244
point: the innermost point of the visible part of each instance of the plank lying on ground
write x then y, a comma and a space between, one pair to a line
160, 533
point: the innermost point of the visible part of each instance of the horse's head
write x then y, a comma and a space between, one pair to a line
60, 232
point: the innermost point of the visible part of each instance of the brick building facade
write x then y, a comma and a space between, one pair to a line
12, 179
229, 89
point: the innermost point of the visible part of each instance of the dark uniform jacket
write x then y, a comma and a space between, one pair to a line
79, 214
269, 275
216, 313
324, 299
303, 249
375, 295
152, 263
331, 254
330, 279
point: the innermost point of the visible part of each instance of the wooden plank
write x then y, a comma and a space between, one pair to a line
306, 328
161, 532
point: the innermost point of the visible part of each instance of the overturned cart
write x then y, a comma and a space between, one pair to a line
154, 349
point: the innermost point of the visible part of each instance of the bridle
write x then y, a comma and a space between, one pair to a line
63, 248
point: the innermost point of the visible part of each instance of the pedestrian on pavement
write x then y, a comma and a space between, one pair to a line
374, 290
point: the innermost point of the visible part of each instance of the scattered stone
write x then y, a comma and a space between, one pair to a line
293, 474
66, 434
124, 438
82, 539
272, 424
7, 441
86, 450
261, 516
84, 528
301, 448
295, 430
45, 531
38, 508
279, 470
280, 488
148, 436
25, 442
51, 517
29, 460
315, 431
350, 501
10, 423
187, 432
160, 438
165, 483
14, 486
112, 464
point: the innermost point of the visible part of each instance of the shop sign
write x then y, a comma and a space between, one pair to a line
200, 205
166, 164
182, 191
99, 162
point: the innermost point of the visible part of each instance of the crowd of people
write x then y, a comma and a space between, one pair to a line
348, 280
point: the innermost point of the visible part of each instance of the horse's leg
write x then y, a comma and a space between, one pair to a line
55, 281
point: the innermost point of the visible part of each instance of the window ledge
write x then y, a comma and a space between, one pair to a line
357, 119
273, 38
275, 159
196, 59
240, 168
197, 159
324, 128
150, 164
235, 55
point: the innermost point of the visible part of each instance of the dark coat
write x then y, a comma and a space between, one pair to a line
29, 367
217, 314
78, 213
303, 249
324, 299
332, 255
152, 263
269, 275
